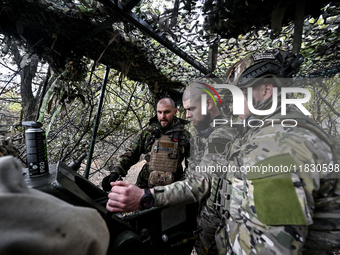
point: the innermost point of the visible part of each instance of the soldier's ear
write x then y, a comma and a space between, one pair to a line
210, 103
268, 91
175, 111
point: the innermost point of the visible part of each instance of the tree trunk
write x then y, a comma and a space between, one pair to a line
29, 101
28, 65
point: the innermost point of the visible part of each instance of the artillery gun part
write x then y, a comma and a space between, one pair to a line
140, 232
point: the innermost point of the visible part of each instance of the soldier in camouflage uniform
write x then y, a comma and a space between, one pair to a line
164, 124
277, 212
210, 144
289, 211
271, 203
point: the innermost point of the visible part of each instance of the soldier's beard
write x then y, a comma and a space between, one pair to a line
204, 123
167, 126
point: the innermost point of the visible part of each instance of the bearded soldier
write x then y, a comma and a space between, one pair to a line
166, 144
290, 211
209, 147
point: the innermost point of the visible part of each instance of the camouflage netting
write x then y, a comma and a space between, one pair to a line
63, 35
216, 33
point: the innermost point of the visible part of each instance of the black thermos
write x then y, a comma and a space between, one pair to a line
36, 148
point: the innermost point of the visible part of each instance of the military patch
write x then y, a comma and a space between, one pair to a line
260, 56
277, 203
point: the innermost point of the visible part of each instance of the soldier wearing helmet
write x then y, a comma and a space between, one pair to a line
266, 203
268, 206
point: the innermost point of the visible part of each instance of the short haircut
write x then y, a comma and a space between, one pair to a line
193, 92
167, 100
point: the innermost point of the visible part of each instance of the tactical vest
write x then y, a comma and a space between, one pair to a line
164, 158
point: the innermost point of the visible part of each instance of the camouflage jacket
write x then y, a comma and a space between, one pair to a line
208, 152
276, 193
142, 143
204, 141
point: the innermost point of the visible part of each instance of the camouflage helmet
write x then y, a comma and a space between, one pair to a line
275, 64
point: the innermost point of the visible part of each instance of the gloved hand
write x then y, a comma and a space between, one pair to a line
112, 177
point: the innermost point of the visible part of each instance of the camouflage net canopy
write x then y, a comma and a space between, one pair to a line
214, 33
247, 26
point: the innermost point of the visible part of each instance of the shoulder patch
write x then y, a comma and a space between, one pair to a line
218, 145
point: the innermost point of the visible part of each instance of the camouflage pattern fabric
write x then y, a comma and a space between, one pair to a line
273, 213
142, 143
210, 151
206, 147
196, 186
211, 144
277, 213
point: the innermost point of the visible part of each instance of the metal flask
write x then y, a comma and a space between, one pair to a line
36, 148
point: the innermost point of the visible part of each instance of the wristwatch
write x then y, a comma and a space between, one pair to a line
147, 201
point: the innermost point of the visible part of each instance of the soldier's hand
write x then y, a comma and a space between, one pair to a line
124, 197
112, 177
